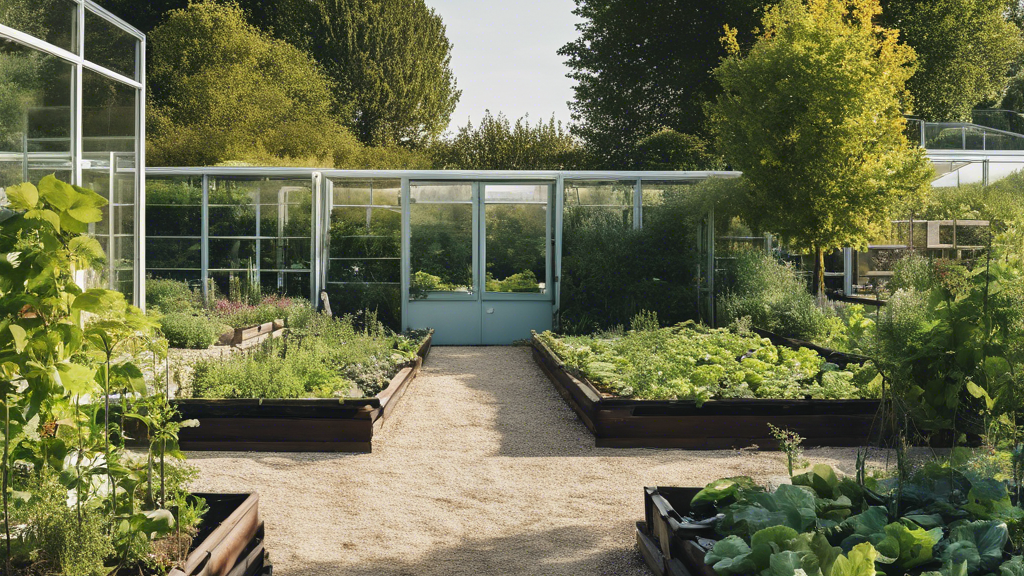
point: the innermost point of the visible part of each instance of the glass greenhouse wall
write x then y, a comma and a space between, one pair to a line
481, 257
73, 77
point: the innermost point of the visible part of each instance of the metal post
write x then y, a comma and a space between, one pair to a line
140, 177
557, 208
205, 241
848, 271
638, 209
406, 235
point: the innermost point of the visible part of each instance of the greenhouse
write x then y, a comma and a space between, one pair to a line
477, 256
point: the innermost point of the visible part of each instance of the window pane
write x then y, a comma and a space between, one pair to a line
352, 237
173, 253
37, 92
389, 270
654, 195
232, 254
516, 193
384, 299
601, 203
440, 192
516, 247
232, 221
174, 221
109, 46
285, 254
441, 247
53, 21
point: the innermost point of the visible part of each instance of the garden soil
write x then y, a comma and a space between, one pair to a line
482, 469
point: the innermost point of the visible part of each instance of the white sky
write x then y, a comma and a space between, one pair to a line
504, 56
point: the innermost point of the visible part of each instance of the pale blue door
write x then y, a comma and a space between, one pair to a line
479, 262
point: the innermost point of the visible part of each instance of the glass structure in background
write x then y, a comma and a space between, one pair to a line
364, 264
72, 80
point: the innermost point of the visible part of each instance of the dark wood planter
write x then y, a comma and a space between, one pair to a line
230, 539
716, 425
667, 543
302, 425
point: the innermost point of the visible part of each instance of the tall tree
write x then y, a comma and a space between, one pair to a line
497, 144
965, 49
812, 115
222, 90
640, 70
391, 59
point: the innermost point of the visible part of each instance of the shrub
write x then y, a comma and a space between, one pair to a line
775, 298
242, 315
171, 296
189, 331
911, 272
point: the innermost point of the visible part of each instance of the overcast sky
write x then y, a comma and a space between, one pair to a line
504, 56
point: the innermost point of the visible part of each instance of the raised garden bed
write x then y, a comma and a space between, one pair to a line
230, 539
301, 425
717, 424
250, 336
667, 543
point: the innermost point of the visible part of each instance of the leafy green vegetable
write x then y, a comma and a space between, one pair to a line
908, 546
868, 526
791, 506
822, 479
723, 491
859, 562
730, 555
980, 544
1012, 567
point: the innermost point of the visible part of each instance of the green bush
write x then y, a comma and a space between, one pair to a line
775, 298
189, 331
171, 296
912, 272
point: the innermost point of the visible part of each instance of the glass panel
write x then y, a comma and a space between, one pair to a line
384, 299
232, 221
381, 270
441, 247
36, 92
516, 193
233, 192
174, 220
54, 21
161, 191
285, 254
441, 192
516, 247
606, 200
173, 253
366, 233
109, 46
232, 254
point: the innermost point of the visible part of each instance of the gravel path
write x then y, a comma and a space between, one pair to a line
482, 469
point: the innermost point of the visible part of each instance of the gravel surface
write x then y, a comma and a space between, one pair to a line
482, 469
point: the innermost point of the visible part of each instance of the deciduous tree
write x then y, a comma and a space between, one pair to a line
812, 115
965, 49
640, 70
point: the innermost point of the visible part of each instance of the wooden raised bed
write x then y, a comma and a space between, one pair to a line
230, 539
302, 425
667, 543
716, 425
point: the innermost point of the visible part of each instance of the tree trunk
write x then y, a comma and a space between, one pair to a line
819, 272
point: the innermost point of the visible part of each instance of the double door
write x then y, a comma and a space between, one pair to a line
478, 260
